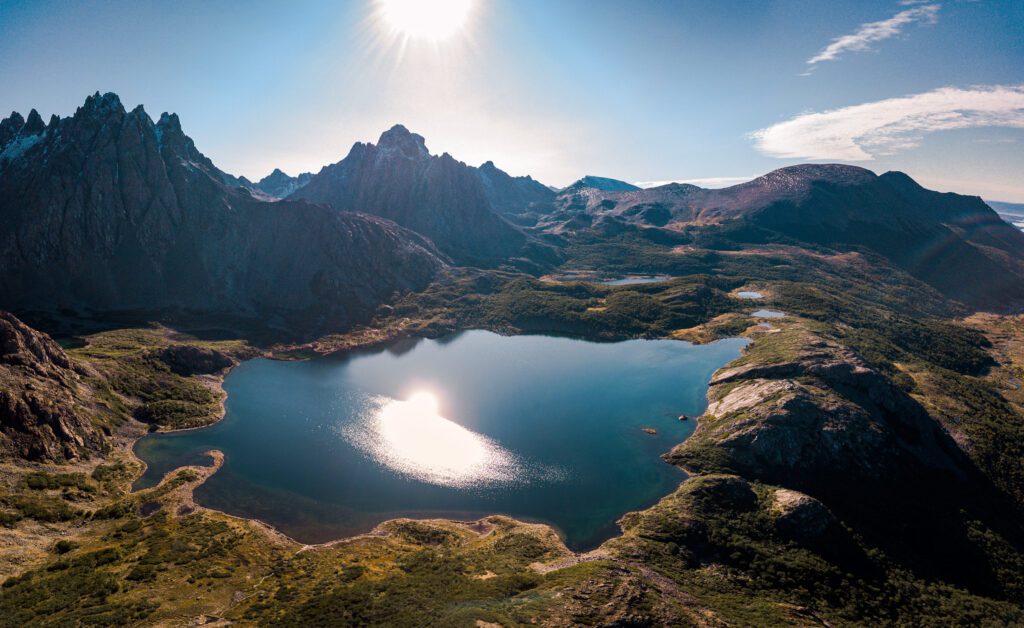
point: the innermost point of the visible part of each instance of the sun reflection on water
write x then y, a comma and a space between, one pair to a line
412, 438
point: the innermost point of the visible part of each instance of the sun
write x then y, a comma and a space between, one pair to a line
432, 20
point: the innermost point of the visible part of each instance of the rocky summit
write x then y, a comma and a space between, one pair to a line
279, 185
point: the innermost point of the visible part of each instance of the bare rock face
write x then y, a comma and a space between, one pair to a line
43, 415
800, 516
107, 210
822, 414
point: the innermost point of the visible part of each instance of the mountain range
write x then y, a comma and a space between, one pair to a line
109, 210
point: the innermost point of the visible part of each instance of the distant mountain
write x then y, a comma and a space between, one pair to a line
107, 210
582, 206
1012, 213
435, 196
956, 243
277, 184
514, 195
602, 183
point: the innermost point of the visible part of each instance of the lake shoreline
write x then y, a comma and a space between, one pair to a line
369, 342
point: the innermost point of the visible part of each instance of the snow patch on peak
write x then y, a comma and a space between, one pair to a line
18, 147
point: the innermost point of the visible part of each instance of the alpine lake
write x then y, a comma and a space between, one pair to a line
547, 429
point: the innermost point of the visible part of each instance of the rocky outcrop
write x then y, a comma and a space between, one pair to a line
800, 516
43, 403
821, 415
838, 441
107, 210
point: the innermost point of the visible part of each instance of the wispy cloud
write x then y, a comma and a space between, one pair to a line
706, 182
862, 132
873, 32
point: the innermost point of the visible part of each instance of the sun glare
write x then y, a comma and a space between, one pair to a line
412, 438
433, 20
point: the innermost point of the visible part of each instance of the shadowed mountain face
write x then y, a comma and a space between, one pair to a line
436, 196
956, 243
107, 210
514, 195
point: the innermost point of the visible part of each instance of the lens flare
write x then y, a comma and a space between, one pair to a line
432, 20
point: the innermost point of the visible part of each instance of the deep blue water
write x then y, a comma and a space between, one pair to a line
541, 428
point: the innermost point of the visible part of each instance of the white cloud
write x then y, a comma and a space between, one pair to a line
862, 132
872, 32
707, 182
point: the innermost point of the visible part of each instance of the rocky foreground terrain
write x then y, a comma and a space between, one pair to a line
858, 465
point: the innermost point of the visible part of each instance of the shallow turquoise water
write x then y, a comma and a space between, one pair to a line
540, 428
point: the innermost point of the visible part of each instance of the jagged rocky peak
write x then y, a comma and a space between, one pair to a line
169, 123
99, 103
18, 136
34, 124
489, 168
9, 128
400, 139
436, 196
15, 121
98, 108
279, 184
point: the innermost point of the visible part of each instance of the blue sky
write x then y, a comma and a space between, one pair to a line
643, 90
